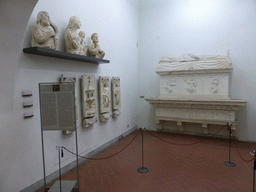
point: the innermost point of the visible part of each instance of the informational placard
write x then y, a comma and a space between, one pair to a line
57, 106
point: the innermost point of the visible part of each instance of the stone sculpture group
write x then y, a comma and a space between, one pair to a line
75, 43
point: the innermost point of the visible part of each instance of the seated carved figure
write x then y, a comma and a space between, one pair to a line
72, 39
42, 35
94, 48
83, 46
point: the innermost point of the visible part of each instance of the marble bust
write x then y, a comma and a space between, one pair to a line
72, 38
42, 35
94, 48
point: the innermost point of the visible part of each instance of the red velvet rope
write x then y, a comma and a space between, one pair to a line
185, 144
102, 157
240, 153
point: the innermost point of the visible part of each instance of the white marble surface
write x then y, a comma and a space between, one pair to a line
116, 93
104, 94
83, 45
72, 38
193, 62
88, 86
116, 113
203, 84
88, 96
94, 49
89, 121
194, 77
195, 89
105, 116
204, 112
42, 34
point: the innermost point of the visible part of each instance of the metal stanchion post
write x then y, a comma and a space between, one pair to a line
59, 151
142, 169
228, 163
254, 168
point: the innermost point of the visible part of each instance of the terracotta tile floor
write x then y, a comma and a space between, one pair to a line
192, 168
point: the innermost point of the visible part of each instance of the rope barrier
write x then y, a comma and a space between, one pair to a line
185, 144
144, 169
62, 147
179, 144
240, 153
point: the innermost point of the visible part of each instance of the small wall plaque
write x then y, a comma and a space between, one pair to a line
27, 93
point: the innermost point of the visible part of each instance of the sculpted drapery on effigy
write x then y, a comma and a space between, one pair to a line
72, 39
42, 35
94, 48
193, 62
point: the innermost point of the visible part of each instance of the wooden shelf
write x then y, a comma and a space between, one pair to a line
62, 55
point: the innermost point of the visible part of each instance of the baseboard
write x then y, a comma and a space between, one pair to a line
40, 184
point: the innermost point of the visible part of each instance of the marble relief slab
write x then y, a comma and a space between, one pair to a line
88, 96
196, 114
116, 96
190, 84
104, 94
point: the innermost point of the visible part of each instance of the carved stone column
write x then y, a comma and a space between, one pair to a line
205, 129
181, 128
158, 125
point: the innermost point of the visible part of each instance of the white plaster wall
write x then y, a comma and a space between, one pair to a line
11, 142
166, 27
116, 22
174, 28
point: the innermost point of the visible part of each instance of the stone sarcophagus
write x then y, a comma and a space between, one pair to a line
195, 89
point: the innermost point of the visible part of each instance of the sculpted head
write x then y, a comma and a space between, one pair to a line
95, 38
74, 23
43, 18
81, 34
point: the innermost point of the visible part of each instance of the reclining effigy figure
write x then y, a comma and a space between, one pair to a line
193, 62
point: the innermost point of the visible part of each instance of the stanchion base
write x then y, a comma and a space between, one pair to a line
143, 170
229, 164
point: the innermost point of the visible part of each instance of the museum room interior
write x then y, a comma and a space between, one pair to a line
135, 35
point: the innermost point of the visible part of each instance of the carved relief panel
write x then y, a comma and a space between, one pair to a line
104, 96
191, 85
178, 113
170, 85
89, 100
202, 85
116, 96
215, 88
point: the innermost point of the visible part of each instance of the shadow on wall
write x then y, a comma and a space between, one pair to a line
11, 39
